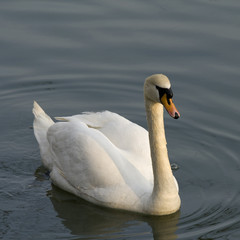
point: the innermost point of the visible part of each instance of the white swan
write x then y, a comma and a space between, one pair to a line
107, 160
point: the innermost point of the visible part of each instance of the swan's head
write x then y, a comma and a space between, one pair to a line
157, 88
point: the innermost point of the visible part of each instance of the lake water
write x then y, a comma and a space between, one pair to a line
73, 56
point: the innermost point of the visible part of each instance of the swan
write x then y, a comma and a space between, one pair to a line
110, 161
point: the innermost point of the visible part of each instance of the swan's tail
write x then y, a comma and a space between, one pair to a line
41, 124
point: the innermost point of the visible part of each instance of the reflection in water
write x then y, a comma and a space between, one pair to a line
85, 219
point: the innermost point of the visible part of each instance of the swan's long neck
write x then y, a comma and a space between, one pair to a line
164, 183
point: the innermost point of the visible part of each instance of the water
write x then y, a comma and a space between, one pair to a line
74, 56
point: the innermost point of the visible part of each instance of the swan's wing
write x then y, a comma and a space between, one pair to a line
123, 133
79, 152
87, 164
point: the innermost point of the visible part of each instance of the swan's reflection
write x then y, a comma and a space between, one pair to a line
87, 220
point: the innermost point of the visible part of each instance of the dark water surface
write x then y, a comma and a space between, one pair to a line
74, 56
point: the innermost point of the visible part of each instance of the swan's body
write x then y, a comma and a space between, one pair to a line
107, 160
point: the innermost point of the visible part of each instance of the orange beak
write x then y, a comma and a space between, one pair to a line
169, 106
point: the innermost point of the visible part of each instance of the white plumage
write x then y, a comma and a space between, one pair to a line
106, 159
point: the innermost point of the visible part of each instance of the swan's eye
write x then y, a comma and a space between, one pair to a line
169, 93
162, 91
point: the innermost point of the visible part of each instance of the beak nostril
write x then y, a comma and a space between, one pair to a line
176, 115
